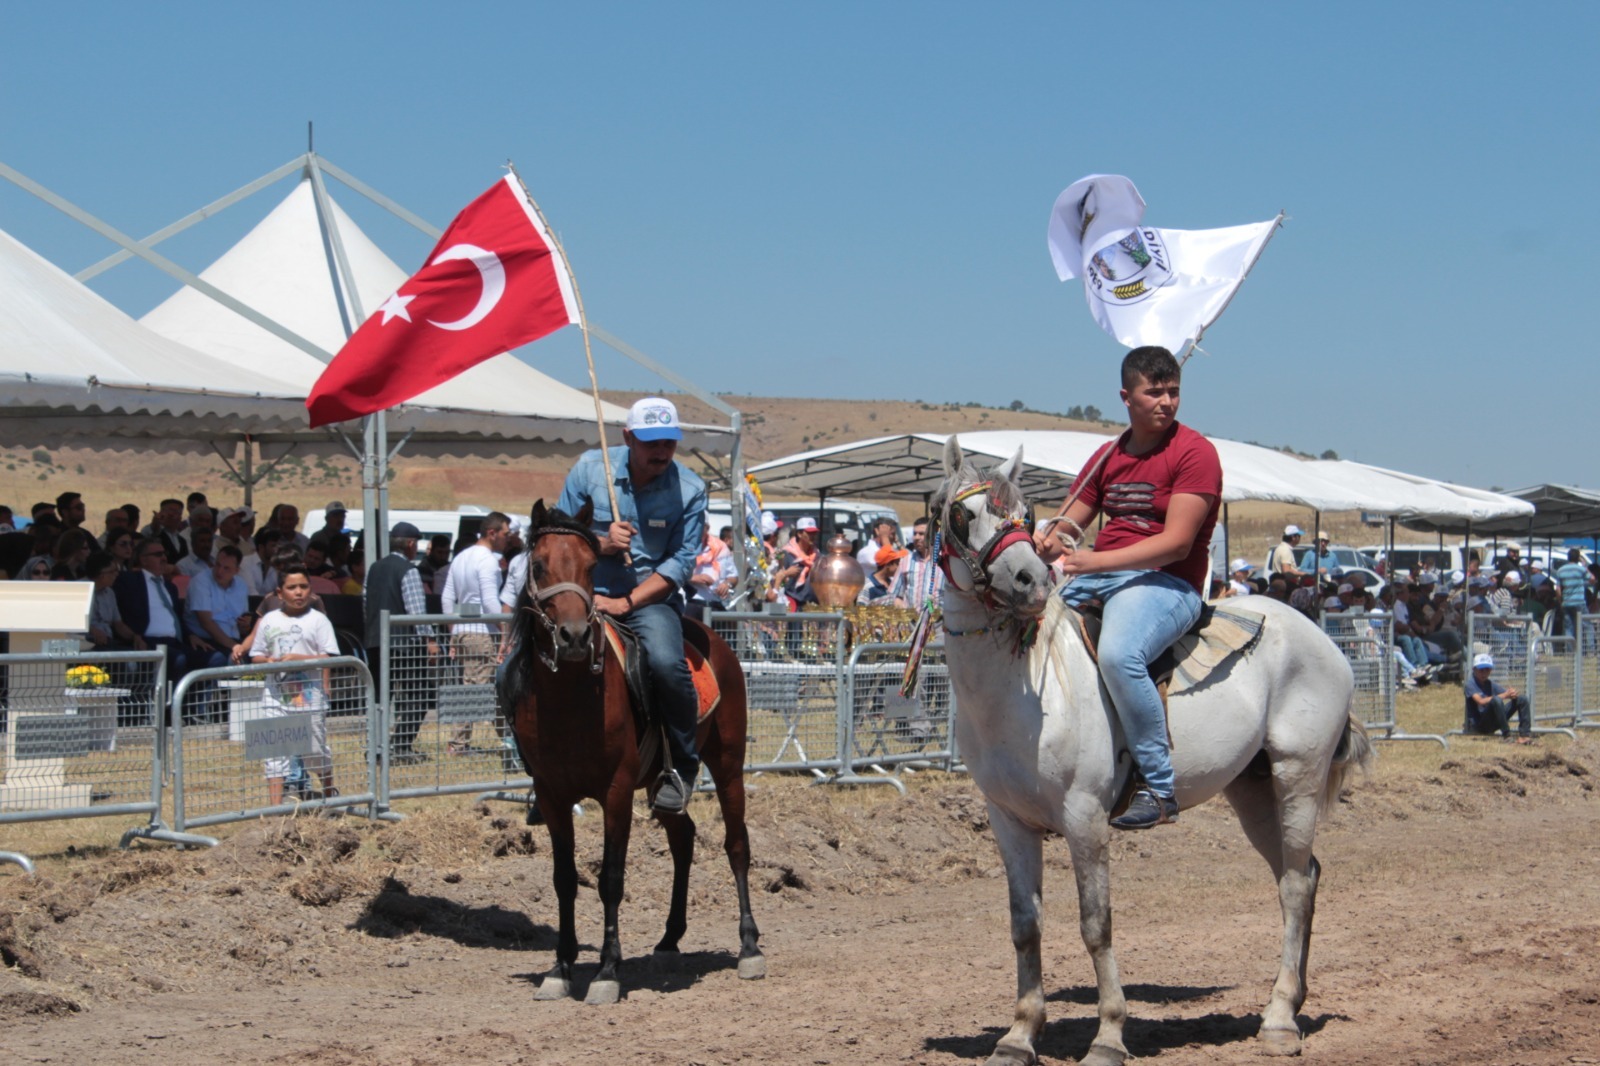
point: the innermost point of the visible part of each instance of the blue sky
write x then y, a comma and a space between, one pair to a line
851, 199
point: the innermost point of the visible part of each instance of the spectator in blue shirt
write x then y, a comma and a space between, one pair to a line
217, 605
1490, 706
1573, 579
1319, 560
647, 554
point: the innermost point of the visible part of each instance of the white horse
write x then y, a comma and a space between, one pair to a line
1273, 733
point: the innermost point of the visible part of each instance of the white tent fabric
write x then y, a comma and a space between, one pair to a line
281, 269
909, 466
76, 370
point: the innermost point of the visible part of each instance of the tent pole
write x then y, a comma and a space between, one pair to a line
1227, 547
375, 427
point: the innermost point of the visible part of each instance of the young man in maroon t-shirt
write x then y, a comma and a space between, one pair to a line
1158, 486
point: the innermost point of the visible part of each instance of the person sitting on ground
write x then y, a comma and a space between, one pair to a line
1160, 487
880, 582
296, 633
1490, 706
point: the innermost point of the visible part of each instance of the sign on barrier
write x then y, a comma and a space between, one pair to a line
300, 733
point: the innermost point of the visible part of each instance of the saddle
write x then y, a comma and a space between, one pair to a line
1222, 632
624, 644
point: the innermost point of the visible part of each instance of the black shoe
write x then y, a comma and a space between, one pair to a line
672, 795
1147, 809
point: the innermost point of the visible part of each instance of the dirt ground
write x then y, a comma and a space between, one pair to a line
1459, 922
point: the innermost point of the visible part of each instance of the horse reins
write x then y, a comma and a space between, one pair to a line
541, 596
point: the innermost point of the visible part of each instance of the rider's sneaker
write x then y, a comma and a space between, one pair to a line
672, 795
1145, 810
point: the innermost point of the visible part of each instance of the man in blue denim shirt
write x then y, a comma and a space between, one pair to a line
662, 507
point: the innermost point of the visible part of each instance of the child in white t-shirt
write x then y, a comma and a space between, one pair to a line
291, 633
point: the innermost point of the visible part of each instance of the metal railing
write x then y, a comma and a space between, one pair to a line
443, 730
272, 738
881, 728
1367, 643
794, 668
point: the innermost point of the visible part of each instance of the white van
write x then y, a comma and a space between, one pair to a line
462, 522
853, 519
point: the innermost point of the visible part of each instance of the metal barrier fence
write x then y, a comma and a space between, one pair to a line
794, 667
272, 738
83, 738
1367, 643
1540, 667
443, 730
880, 727
1586, 672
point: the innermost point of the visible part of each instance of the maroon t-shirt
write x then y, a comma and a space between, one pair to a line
1133, 491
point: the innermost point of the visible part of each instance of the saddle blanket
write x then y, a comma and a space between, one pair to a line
1224, 630
706, 689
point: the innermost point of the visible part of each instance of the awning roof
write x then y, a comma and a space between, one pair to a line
1553, 511
909, 466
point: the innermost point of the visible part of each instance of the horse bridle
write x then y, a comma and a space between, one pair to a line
1013, 530
541, 596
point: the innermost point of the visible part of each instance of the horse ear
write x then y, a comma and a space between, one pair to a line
585, 514
952, 457
1011, 466
537, 515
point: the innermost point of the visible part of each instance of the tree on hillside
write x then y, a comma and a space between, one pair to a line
1017, 405
1075, 412
1092, 413
1330, 454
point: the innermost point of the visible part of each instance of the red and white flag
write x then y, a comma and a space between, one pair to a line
493, 282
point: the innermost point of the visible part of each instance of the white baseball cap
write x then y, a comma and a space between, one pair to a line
1347, 587
806, 523
654, 418
1513, 577
1483, 661
1293, 531
1241, 564
769, 523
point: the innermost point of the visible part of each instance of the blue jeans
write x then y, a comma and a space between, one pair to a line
1145, 611
660, 631
1414, 648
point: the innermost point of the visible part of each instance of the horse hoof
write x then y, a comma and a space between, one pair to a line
553, 988
1280, 1041
752, 967
602, 993
1100, 1055
1010, 1056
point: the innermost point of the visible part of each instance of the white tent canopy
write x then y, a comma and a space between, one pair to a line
281, 269
909, 466
74, 370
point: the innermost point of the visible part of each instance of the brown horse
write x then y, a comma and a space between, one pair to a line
576, 733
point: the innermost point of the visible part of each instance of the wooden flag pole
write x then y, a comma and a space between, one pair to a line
588, 353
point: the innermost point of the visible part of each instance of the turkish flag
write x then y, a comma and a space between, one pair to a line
492, 283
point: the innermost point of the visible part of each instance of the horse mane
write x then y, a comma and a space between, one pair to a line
519, 667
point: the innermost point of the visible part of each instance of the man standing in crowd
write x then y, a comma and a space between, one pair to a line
883, 536
394, 585
647, 553
1319, 560
474, 582
1281, 561
920, 580
71, 509
435, 564
1573, 580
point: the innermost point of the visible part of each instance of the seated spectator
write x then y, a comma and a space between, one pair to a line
148, 602
257, 569
333, 517
355, 583
202, 553
43, 510
71, 510
1490, 706
201, 518
1278, 589
286, 518
880, 583
315, 559
167, 527
72, 551
340, 549
7, 520
1239, 583
1304, 598
217, 608
116, 519
107, 630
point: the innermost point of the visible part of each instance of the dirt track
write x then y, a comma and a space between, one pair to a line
1459, 922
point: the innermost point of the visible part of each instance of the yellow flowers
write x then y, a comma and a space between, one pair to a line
87, 677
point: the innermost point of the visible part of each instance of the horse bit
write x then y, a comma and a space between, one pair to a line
541, 596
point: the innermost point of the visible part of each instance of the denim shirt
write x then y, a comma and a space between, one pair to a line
669, 514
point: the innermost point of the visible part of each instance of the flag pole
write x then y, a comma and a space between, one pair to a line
588, 353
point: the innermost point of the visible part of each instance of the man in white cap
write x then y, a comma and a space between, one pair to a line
658, 530
800, 558
1489, 706
1239, 583
1281, 560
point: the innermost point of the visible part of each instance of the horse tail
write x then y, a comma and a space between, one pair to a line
1355, 752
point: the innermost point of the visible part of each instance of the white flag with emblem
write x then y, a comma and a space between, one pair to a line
1147, 285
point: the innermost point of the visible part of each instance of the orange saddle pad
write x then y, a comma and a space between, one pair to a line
706, 689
